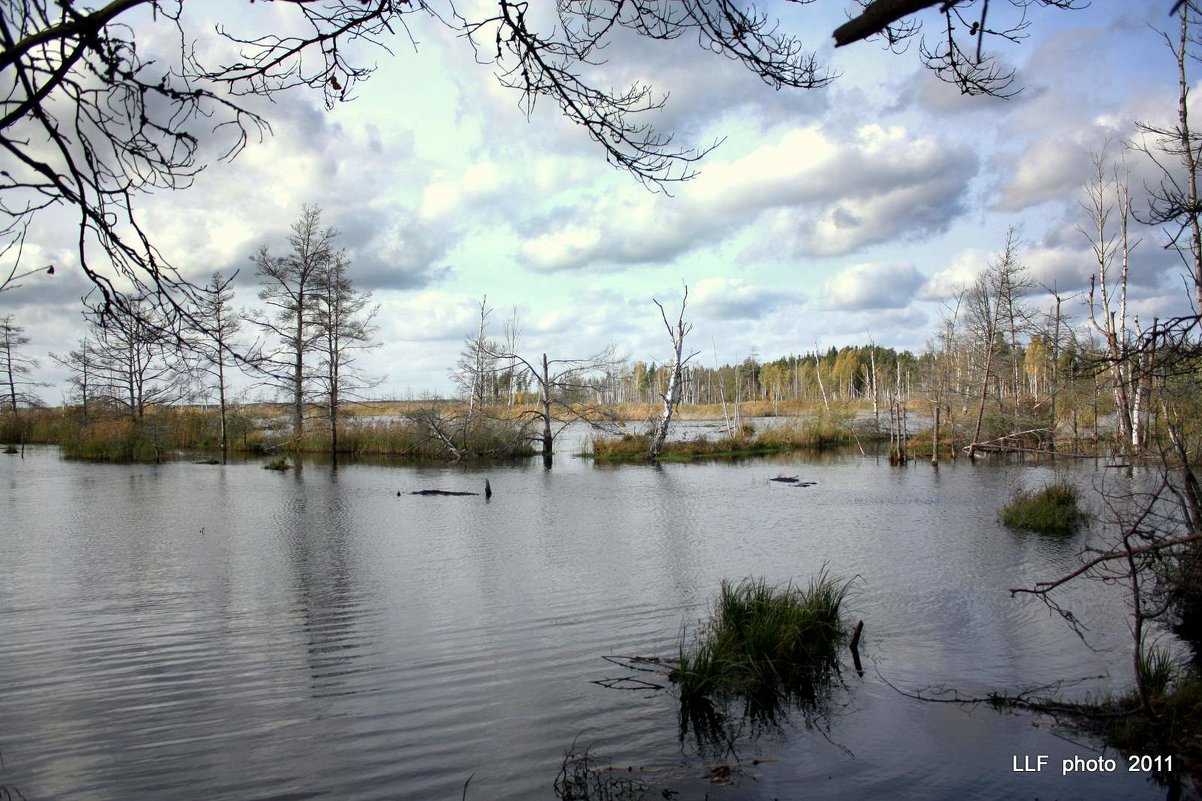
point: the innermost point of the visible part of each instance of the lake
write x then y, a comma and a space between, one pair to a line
184, 631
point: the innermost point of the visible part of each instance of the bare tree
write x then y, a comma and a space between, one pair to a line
342, 317
82, 365
90, 122
671, 396
213, 347
1177, 153
290, 284
565, 392
477, 366
987, 300
137, 364
16, 366
957, 53
1108, 195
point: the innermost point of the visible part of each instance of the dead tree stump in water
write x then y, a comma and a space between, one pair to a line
855, 647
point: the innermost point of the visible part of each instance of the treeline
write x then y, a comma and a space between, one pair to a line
139, 359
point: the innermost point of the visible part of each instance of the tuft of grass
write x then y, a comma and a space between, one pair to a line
278, 463
10, 449
583, 778
1054, 509
1156, 670
765, 642
1174, 729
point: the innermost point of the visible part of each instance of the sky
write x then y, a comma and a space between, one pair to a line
823, 217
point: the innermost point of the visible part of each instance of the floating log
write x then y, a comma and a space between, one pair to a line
441, 492
785, 479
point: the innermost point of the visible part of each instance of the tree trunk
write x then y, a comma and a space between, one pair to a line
545, 399
225, 443
672, 395
935, 439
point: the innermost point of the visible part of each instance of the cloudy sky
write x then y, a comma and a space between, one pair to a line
824, 217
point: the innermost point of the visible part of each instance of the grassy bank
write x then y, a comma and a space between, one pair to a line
171, 431
812, 434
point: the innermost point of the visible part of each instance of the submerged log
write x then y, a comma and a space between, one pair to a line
487, 491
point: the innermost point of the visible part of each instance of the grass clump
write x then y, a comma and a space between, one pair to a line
278, 463
1174, 727
1054, 509
765, 642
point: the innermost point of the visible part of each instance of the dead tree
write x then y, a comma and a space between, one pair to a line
213, 347
15, 367
1108, 195
138, 363
343, 320
476, 368
671, 396
81, 365
289, 287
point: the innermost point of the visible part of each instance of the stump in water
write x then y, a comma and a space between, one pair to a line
855, 647
487, 489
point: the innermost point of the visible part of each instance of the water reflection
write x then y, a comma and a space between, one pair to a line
189, 631
316, 525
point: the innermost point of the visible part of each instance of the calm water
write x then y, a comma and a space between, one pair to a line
204, 632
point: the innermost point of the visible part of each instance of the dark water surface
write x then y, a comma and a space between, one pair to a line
204, 632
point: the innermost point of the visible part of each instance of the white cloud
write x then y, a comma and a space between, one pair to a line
872, 286
735, 298
826, 195
572, 244
963, 268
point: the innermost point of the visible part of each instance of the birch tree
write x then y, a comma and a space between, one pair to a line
670, 397
1108, 204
